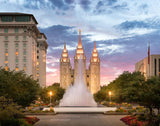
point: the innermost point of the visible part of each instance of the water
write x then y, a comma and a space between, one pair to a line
78, 94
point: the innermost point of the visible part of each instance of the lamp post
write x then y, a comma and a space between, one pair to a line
50, 94
110, 93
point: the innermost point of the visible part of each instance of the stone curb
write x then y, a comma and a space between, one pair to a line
39, 113
105, 113
116, 113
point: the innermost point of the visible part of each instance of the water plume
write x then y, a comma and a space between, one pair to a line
78, 94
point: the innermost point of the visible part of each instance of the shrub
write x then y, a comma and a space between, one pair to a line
14, 122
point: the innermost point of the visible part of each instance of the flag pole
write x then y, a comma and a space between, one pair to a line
149, 57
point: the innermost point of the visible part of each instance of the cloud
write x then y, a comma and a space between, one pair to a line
58, 34
138, 27
127, 25
85, 4
122, 6
59, 4
99, 4
110, 6
110, 49
69, 1
111, 2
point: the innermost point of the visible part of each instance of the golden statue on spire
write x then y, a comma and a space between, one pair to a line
80, 43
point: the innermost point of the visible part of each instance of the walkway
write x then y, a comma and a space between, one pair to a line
80, 120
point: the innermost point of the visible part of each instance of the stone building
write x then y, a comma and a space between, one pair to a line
22, 46
91, 75
149, 68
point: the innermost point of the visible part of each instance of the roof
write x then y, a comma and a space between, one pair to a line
17, 14
43, 35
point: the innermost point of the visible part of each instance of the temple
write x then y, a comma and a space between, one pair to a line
91, 75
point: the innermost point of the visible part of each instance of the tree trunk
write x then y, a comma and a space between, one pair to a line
150, 109
150, 116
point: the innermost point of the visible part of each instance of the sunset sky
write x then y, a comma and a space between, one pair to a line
120, 28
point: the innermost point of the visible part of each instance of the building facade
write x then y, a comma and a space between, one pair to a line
22, 46
91, 76
151, 68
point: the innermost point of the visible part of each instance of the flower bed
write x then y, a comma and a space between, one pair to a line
132, 121
31, 120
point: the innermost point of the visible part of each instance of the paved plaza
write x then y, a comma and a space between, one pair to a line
80, 120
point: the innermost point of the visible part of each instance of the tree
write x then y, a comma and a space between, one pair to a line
125, 87
18, 86
149, 94
57, 93
100, 96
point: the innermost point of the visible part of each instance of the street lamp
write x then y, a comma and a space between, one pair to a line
110, 93
50, 94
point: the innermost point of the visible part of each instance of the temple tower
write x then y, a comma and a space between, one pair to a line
94, 77
79, 53
65, 69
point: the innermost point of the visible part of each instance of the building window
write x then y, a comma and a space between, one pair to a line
37, 63
37, 74
24, 45
16, 38
6, 38
6, 68
16, 53
24, 38
16, 45
6, 62
6, 45
24, 68
7, 18
24, 60
6, 57
6, 51
24, 52
37, 68
22, 18
6, 54
16, 60
17, 69
5, 30
155, 67
16, 30
37, 51
37, 57
24, 29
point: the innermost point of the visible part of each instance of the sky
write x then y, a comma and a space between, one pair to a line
121, 29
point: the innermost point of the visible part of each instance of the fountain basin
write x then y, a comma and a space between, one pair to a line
82, 109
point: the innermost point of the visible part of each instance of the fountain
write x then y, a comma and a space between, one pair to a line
78, 99
78, 94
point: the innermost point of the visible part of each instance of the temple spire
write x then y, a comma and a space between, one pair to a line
94, 45
79, 50
80, 43
64, 45
94, 57
64, 50
64, 56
